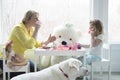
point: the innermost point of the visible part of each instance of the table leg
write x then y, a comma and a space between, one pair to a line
35, 63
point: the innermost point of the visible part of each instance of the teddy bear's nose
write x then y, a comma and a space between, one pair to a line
64, 43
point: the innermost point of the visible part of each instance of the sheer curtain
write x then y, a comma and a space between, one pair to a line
114, 24
52, 14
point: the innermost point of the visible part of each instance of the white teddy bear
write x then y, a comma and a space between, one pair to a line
67, 38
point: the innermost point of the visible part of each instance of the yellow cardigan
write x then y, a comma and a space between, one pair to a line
0, 54
23, 40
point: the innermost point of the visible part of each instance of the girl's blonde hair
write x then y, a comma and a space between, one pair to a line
98, 25
29, 14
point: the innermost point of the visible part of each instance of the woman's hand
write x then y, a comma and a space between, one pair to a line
50, 39
38, 25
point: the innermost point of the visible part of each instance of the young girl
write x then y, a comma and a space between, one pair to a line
95, 48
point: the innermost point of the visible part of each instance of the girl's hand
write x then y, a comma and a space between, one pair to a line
92, 33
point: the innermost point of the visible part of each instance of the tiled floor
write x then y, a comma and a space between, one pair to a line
114, 76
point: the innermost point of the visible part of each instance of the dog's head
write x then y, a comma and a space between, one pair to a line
74, 64
83, 71
73, 68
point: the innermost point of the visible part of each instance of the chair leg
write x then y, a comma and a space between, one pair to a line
91, 71
8, 75
84, 78
4, 75
101, 70
28, 68
109, 72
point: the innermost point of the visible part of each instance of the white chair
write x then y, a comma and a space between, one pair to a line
6, 69
106, 61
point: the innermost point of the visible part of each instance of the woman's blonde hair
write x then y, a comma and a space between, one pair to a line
29, 14
98, 25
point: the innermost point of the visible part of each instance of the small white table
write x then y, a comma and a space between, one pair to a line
43, 52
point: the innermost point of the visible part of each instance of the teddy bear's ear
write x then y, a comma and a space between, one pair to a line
68, 25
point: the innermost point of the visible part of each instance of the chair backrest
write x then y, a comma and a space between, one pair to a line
106, 51
6, 60
4, 56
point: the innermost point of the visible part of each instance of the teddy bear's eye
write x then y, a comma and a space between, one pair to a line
59, 36
70, 39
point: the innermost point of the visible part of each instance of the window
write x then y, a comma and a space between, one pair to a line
52, 14
114, 21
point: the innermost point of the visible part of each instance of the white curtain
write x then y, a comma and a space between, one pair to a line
114, 21
52, 14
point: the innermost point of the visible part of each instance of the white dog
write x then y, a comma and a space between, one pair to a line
67, 70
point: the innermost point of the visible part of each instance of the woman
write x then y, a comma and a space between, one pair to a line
24, 35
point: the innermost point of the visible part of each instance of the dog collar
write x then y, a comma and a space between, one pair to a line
63, 73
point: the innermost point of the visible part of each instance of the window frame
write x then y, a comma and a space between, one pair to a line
99, 10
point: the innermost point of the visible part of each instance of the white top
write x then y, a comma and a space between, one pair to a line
98, 49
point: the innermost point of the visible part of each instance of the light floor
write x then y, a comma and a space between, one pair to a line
114, 76
104, 76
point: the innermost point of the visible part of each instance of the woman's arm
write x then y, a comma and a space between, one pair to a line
37, 27
24, 39
18, 64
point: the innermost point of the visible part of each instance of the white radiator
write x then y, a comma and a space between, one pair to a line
115, 57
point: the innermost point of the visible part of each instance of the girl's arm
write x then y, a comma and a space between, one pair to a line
95, 41
85, 46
